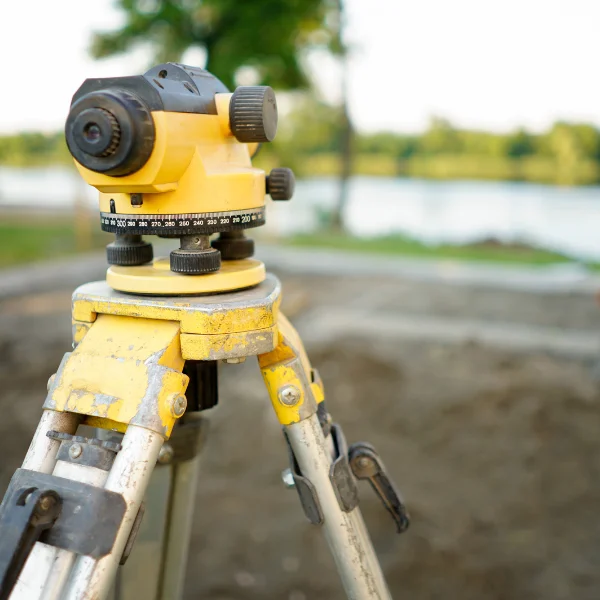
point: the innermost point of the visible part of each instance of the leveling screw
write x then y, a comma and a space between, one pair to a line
178, 405
289, 395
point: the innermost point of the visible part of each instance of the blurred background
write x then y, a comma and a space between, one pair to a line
440, 258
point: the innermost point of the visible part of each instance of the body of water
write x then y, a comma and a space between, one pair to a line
557, 218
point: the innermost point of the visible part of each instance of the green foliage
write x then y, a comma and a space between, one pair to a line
309, 142
28, 149
566, 154
268, 36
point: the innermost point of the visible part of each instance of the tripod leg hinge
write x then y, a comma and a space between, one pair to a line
89, 519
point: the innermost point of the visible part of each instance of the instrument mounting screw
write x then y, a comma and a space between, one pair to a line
75, 451
178, 405
289, 395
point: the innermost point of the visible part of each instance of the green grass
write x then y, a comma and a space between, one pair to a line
39, 240
47, 239
403, 246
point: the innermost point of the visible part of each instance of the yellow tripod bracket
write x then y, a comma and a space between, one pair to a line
130, 350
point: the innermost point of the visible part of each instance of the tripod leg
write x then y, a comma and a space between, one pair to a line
125, 374
296, 395
128, 477
41, 455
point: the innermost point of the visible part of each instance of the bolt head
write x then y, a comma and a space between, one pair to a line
165, 456
364, 462
75, 451
178, 405
51, 380
46, 503
289, 395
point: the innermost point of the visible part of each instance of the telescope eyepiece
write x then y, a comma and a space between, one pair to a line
96, 131
111, 132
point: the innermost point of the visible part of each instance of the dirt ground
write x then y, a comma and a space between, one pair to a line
497, 452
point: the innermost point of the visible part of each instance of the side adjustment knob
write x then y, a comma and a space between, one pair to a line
281, 183
253, 114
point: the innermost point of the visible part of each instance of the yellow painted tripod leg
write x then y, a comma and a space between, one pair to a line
294, 388
296, 392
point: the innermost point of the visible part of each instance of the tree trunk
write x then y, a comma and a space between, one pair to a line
346, 133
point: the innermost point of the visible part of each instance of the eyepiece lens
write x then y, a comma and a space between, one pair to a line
110, 131
92, 132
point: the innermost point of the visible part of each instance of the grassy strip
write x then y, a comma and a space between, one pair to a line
39, 240
403, 246
46, 239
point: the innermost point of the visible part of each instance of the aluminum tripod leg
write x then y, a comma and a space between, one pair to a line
125, 374
295, 393
156, 568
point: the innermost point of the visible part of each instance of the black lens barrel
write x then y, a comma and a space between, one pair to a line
111, 132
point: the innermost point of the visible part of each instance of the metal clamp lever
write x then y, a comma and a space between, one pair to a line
366, 464
24, 516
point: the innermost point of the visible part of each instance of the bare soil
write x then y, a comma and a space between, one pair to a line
496, 452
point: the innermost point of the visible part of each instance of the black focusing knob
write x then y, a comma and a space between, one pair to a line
280, 183
253, 114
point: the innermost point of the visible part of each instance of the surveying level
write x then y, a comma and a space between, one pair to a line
121, 430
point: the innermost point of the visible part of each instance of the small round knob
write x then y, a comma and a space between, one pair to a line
253, 114
281, 183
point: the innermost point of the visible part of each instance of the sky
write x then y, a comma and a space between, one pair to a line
486, 64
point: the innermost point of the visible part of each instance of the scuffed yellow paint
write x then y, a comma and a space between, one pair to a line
226, 345
288, 364
232, 320
122, 363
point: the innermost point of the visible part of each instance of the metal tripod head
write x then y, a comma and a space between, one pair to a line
170, 153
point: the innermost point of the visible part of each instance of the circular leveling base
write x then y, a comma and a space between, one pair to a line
158, 279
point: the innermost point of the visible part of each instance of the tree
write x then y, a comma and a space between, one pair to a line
339, 48
268, 36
